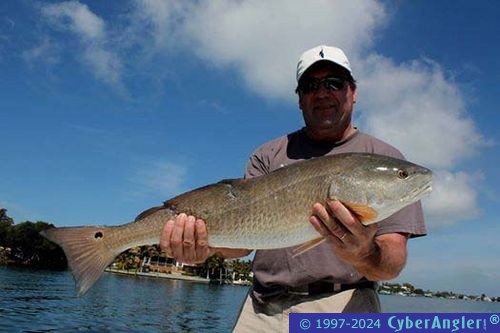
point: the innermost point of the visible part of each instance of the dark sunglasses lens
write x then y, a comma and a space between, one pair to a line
331, 83
334, 83
309, 86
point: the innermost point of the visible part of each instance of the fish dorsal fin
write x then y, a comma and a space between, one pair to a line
196, 202
234, 184
228, 181
307, 246
148, 212
364, 213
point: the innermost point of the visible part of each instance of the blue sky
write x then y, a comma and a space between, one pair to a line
108, 108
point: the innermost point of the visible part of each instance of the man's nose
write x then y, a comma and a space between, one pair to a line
323, 91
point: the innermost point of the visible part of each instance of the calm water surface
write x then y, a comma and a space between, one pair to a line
45, 301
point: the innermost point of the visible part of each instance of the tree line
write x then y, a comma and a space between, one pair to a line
22, 245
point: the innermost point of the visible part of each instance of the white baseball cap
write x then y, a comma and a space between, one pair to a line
322, 53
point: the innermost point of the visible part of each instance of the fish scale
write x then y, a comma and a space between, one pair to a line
266, 212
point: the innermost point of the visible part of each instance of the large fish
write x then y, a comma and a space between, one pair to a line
265, 212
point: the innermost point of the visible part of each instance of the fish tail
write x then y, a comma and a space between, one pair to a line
86, 251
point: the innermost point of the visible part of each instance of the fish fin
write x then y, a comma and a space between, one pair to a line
86, 251
148, 212
307, 246
231, 181
364, 213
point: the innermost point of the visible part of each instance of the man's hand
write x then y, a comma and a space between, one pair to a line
351, 240
376, 257
186, 239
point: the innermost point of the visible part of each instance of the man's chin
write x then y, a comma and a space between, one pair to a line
324, 132
325, 127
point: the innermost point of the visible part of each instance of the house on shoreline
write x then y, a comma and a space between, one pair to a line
215, 270
406, 289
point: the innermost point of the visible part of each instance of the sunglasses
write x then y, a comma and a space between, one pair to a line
330, 83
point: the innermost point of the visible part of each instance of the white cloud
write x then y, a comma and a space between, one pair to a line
78, 18
414, 105
417, 108
156, 19
261, 39
45, 51
453, 198
91, 32
105, 65
161, 178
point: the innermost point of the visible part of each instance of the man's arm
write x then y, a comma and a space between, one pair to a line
375, 257
186, 240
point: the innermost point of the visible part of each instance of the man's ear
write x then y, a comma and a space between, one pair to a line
354, 94
300, 100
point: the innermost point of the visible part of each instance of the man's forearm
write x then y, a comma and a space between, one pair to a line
386, 260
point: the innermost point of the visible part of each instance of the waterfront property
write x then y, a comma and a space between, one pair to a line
407, 289
214, 270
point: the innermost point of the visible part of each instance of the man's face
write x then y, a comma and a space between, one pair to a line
327, 112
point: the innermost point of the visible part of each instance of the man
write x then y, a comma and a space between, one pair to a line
338, 275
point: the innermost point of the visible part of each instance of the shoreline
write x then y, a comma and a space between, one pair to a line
171, 276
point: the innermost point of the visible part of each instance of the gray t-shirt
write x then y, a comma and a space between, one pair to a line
274, 269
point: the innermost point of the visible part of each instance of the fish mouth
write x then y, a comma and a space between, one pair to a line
421, 192
417, 193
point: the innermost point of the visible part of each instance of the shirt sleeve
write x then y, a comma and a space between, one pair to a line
257, 165
409, 220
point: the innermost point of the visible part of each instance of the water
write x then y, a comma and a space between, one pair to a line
45, 301
399, 304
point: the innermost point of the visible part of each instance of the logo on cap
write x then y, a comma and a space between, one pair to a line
321, 54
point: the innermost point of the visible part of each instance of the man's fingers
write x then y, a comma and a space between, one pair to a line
201, 233
177, 236
346, 217
188, 239
166, 233
319, 226
188, 250
330, 225
321, 213
202, 249
357, 233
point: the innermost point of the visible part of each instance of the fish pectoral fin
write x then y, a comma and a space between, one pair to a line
364, 213
307, 246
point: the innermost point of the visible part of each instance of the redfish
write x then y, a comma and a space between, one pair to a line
265, 212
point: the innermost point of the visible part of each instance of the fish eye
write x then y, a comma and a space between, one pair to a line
403, 174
